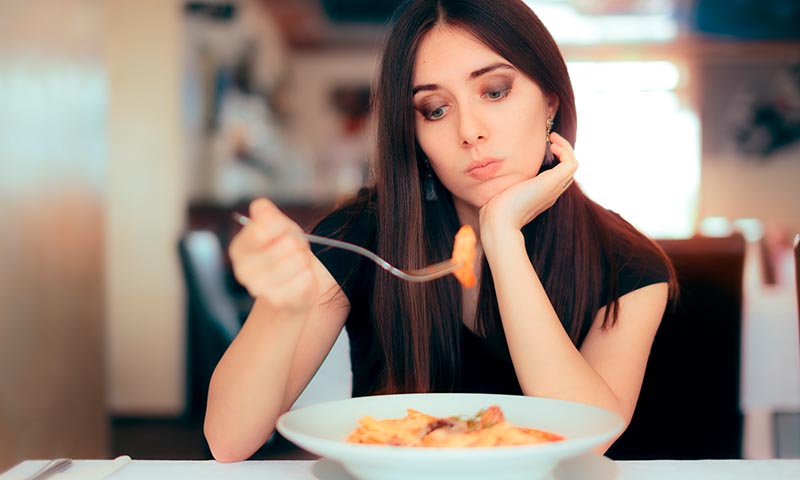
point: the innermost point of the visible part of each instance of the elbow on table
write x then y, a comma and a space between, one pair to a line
601, 449
226, 452
226, 457
224, 449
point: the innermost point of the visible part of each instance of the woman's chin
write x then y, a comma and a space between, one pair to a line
486, 191
479, 200
477, 196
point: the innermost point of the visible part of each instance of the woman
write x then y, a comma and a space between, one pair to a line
470, 94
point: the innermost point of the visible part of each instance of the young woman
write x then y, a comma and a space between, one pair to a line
475, 125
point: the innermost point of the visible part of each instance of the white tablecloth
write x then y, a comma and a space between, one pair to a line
589, 467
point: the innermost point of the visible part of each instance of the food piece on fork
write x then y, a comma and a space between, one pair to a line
464, 252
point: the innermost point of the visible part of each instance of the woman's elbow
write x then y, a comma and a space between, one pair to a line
223, 448
626, 421
226, 456
226, 452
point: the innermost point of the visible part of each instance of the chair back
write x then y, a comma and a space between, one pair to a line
689, 403
212, 314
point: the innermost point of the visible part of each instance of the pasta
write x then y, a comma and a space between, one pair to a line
487, 428
464, 252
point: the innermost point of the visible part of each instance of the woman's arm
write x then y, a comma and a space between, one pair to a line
299, 308
608, 370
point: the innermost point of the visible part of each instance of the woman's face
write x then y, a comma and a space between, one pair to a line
479, 120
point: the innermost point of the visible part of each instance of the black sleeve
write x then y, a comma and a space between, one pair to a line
352, 224
640, 270
638, 264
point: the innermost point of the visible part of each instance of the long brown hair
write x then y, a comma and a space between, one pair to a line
572, 245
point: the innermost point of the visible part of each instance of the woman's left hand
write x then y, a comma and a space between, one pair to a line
516, 206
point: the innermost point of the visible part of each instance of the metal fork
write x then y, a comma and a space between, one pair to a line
51, 468
431, 272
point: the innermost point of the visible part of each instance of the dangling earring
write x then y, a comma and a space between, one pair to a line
429, 185
548, 153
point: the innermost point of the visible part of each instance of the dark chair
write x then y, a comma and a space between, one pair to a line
213, 317
689, 404
214, 312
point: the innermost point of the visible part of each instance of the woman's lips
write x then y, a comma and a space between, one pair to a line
483, 169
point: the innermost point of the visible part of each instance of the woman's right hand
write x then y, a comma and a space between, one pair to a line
272, 262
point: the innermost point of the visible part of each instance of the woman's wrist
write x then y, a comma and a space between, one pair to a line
495, 239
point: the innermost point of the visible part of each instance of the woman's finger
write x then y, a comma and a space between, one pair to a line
567, 165
562, 149
277, 269
557, 139
274, 263
267, 224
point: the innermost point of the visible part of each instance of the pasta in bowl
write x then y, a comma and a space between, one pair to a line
570, 428
487, 428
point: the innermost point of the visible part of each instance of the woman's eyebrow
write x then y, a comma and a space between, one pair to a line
473, 75
428, 87
489, 68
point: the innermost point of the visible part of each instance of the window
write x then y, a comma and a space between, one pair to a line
638, 144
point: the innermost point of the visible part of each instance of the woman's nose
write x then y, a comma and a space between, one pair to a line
471, 129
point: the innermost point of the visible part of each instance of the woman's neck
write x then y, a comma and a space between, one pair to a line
468, 215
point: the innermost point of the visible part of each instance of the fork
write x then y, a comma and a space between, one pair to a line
51, 468
425, 274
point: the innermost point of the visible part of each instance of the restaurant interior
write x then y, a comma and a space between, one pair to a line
130, 130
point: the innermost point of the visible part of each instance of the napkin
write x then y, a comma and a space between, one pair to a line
93, 469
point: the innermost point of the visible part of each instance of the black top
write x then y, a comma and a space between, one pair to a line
482, 370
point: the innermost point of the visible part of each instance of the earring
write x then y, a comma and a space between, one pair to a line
429, 185
548, 153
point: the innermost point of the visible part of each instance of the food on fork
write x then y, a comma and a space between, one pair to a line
487, 428
464, 252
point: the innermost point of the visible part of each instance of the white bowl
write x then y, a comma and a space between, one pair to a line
322, 429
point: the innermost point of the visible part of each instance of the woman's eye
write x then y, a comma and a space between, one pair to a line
436, 113
497, 94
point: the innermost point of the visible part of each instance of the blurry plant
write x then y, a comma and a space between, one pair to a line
772, 118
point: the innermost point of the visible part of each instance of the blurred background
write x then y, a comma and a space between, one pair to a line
129, 130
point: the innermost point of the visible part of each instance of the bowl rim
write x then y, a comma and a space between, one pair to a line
344, 451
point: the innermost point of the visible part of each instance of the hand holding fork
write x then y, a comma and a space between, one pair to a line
289, 242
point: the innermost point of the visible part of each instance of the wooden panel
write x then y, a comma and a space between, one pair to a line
51, 287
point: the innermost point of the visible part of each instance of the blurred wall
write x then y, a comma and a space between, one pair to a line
52, 186
145, 208
750, 113
314, 122
92, 199
733, 187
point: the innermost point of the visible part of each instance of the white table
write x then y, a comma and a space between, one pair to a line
589, 467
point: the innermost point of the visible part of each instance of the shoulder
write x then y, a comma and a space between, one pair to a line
355, 222
635, 261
